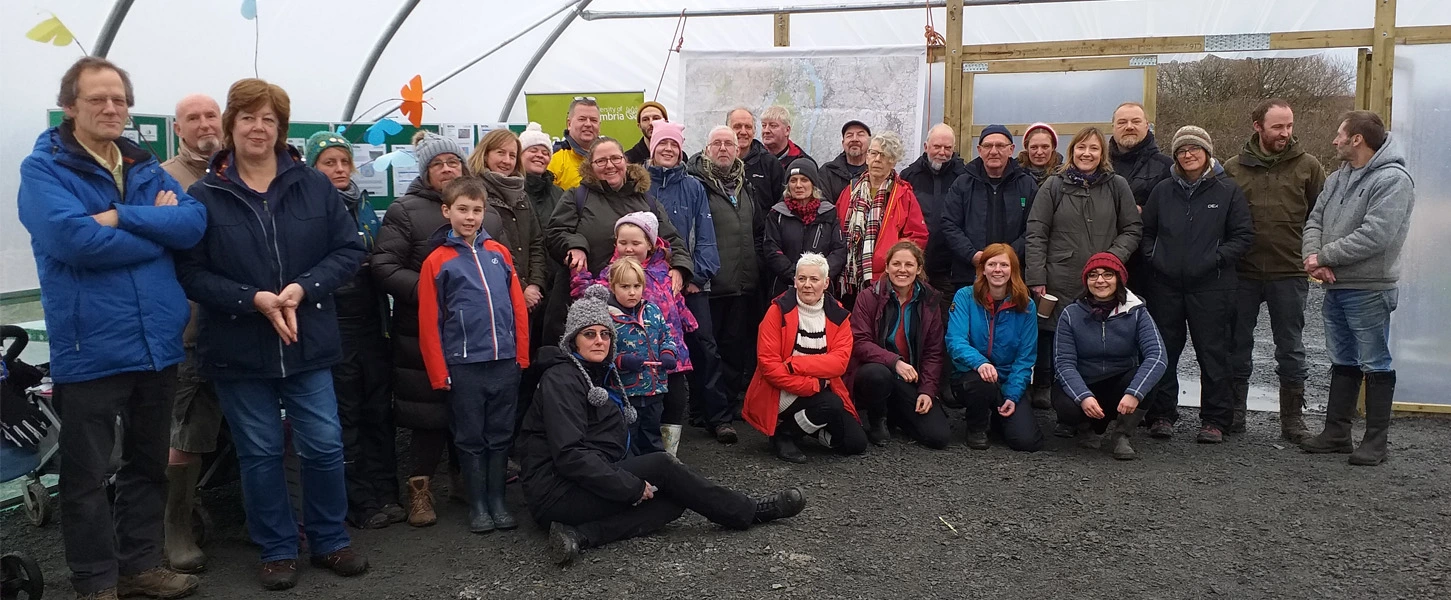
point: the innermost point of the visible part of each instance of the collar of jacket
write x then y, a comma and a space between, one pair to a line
666, 175
704, 170
1147, 147
1254, 156
834, 312
978, 171
886, 290
69, 151
187, 156
289, 167
445, 235
1214, 171
538, 184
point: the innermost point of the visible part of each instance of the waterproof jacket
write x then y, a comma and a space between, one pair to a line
836, 176
642, 332
684, 198
1195, 236
658, 292
1144, 166
777, 370
874, 321
790, 154
766, 174
1004, 335
564, 164
1086, 350
931, 189
467, 288
110, 295
568, 444
977, 215
585, 220
1359, 224
297, 231
521, 232
404, 242
786, 238
901, 220
1069, 224
1280, 197
737, 231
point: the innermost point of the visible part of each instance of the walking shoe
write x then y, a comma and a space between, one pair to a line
725, 434
780, 505
394, 512
877, 432
1161, 430
182, 553
785, 448
977, 440
106, 594
343, 561
1209, 434
278, 574
158, 582
565, 542
420, 503
1065, 430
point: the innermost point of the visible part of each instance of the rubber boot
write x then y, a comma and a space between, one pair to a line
420, 503
1042, 395
182, 552
1241, 404
1292, 413
670, 437
1124, 429
1340, 408
877, 432
497, 464
1380, 391
474, 474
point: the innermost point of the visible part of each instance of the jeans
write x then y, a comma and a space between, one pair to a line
1358, 327
252, 409
482, 401
1207, 317
103, 541
1286, 301
880, 392
982, 400
708, 394
645, 431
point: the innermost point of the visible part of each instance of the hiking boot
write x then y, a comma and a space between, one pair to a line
1241, 406
1380, 389
1161, 430
877, 432
1345, 384
1042, 396
1209, 434
1123, 430
670, 438
785, 448
977, 440
725, 434
420, 503
1292, 413
158, 582
106, 594
780, 505
343, 561
1065, 430
394, 512
472, 471
278, 574
565, 542
182, 553
1089, 440
496, 471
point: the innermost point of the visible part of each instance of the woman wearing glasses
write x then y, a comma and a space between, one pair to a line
877, 210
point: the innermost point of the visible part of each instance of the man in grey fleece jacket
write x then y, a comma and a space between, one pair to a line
1352, 244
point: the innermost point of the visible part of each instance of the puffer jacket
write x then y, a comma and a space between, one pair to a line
585, 220
1005, 336
469, 287
786, 238
738, 230
931, 189
110, 295
521, 232
1195, 234
973, 220
778, 371
642, 332
874, 320
1070, 223
766, 174
1281, 193
1361, 219
1086, 350
1144, 166
684, 198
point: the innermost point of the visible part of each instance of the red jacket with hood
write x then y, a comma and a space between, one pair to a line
778, 370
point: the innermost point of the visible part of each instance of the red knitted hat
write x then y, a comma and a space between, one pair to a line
1106, 260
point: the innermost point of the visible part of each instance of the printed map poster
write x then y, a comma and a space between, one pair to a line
617, 113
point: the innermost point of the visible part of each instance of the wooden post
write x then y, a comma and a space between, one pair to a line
964, 134
1383, 59
1362, 79
1151, 92
783, 29
953, 100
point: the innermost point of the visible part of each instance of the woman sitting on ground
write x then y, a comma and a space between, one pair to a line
802, 351
575, 439
897, 352
992, 337
1107, 354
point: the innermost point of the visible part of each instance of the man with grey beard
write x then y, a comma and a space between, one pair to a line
931, 175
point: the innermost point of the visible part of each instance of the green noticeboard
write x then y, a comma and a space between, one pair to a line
152, 132
618, 112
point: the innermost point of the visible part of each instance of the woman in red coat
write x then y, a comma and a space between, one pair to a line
802, 352
877, 210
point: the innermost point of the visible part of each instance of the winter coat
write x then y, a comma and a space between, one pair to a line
110, 295
931, 189
639, 154
1069, 224
786, 238
874, 320
1144, 166
1087, 351
642, 332
585, 220
901, 220
564, 164
658, 293
971, 220
737, 231
836, 176
790, 155
359, 298
1194, 237
521, 232
187, 167
777, 370
298, 231
684, 199
1360, 221
1003, 336
404, 242
470, 287
1280, 197
569, 444
544, 196
766, 174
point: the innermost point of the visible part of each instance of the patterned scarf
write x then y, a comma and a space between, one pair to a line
804, 209
861, 227
1073, 176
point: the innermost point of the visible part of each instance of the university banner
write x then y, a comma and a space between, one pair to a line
617, 113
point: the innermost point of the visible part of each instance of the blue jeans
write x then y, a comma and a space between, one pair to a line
1358, 327
253, 414
482, 402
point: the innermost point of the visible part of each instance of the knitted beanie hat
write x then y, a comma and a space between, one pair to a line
590, 310
1106, 260
806, 167
656, 105
534, 135
995, 130
665, 130
646, 221
432, 145
1190, 135
1043, 126
323, 140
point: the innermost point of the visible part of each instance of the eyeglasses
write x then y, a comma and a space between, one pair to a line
446, 163
102, 101
1104, 275
721, 144
1187, 150
985, 148
600, 162
593, 334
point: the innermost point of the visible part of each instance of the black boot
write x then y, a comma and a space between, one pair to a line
475, 479
780, 505
1380, 391
877, 432
1241, 405
497, 464
784, 446
1344, 391
565, 542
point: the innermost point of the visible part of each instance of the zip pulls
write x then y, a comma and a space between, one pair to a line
489, 297
276, 255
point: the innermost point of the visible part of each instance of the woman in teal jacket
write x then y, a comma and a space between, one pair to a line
992, 338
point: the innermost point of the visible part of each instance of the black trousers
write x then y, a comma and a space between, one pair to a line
824, 416
1106, 391
710, 400
602, 521
1043, 369
732, 317
1208, 318
364, 391
981, 399
879, 392
103, 541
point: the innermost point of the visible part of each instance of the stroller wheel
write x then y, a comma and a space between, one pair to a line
201, 523
21, 575
37, 504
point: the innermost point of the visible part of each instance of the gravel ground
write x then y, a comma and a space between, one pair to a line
1248, 519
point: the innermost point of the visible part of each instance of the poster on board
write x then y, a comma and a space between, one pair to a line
461, 134
617, 113
376, 184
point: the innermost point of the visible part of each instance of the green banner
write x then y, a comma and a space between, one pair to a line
617, 113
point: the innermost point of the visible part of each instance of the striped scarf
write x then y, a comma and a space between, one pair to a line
861, 227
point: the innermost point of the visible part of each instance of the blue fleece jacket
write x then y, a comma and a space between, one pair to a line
1006, 337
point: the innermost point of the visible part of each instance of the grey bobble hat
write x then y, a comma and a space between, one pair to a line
430, 147
590, 310
1190, 135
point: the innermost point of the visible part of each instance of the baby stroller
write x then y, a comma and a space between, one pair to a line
29, 440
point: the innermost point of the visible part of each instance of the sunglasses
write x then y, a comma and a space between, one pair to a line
593, 334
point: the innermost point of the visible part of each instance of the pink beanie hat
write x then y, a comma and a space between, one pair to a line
1043, 126
646, 221
665, 130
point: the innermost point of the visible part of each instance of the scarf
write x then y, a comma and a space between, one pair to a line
804, 209
715, 177
1101, 310
1252, 148
861, 227
1073, 176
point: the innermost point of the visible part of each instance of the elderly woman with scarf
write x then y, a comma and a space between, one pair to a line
803, 221
575, 440
881, 210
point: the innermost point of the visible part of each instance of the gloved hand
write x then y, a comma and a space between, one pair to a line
667, 361
631, 363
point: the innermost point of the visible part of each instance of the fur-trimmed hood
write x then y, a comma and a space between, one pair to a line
635, 175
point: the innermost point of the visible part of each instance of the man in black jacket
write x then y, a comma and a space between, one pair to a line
762, 167
987, 205
931, 176
850, 164
1135, 154
1197, 226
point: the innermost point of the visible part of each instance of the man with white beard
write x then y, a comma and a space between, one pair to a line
931, 175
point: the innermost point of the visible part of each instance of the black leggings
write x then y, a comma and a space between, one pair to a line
1107, 391
427, 450
879, 391
824, 416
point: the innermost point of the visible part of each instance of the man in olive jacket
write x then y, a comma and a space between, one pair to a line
1281, 182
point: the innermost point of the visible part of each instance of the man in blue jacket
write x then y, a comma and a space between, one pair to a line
104, 220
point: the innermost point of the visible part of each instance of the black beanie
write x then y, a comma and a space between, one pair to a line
807, 167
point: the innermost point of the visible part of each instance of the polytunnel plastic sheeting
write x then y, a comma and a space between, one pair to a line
1074, 97
1420, 330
